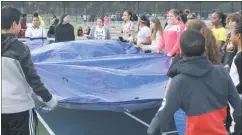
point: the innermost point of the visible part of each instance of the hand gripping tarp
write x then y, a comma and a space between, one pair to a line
102, 75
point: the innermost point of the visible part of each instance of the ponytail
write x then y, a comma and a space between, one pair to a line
222, 17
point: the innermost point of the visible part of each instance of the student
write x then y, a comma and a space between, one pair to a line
211, 50
127, 29
42, 23
51, 32
64, 31
218, 20
35, 31
80, 32
99, 32
19, 80
183, 16
53, 18
144, 34
171, 35
36, 35
193, 89
106, 20
156, 32
229, 50
236, 67
23, 26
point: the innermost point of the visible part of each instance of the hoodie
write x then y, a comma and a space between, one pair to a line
19, 78
64, 32
202, 91
171, 37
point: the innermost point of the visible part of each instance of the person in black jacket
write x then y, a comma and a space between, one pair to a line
51, 32
64, 30
19, 80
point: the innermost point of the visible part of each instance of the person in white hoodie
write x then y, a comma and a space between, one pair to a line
19, 80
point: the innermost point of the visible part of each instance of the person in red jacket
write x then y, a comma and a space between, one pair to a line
23, 26
171, 35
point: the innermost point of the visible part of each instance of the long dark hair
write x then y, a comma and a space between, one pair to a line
62, 17
211, 49
222, 17
131, 15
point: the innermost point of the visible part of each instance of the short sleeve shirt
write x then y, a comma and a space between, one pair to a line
127, 28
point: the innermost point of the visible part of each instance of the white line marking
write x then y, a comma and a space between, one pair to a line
137, 119
146, 124
45, 124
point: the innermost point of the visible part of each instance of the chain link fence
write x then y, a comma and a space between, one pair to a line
115, 9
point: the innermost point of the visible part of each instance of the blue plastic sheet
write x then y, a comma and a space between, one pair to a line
36, 43
102, 75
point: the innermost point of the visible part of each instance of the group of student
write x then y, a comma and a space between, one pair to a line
61, 29
199, 84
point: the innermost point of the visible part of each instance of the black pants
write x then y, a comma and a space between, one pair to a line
23, 123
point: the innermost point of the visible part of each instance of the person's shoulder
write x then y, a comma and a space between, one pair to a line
158, 33
220, 71
223, 30
146, 28
93, 27
238, 56
18, 48
70, 25
181, 80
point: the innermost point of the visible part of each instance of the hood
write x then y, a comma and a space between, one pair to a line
196, 66
7, 41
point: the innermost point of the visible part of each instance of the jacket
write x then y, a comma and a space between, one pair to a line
171, 38
92, 33
236, 71
64, 32
202, 91
19, 78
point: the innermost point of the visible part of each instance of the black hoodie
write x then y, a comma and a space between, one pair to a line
202, 90
64, 32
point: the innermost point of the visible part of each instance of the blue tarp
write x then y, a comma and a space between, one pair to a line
102, 75
35, 44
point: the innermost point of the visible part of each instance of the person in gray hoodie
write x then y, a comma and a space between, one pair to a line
19, 80
201, 89
99, 32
